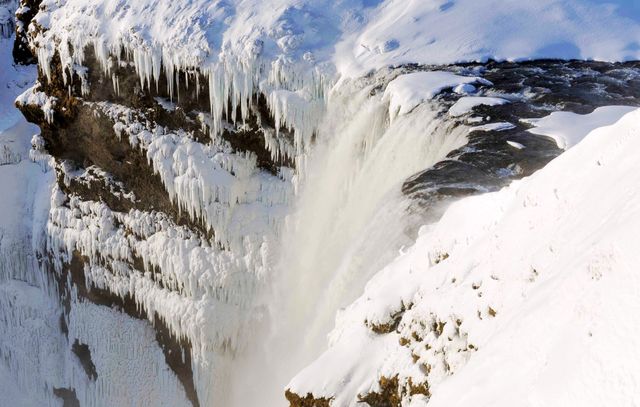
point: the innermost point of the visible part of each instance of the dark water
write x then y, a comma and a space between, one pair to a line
535, 89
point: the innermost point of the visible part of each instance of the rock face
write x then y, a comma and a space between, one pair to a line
306, 401
24, 14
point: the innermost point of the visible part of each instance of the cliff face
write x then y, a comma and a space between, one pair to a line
171, 273
142, 196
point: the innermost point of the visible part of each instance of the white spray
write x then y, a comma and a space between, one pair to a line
350, 219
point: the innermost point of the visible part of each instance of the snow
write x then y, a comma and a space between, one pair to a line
167, 105
466, 104
464, 89
450, 31
536, 293
408, 91
568, 128
515, 144
34, 97
586, 354
501, 126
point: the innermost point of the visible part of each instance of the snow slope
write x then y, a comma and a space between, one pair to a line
449, 31
526, 296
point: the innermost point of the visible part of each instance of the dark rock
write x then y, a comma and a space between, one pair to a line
22, 53
68, 396
83, 353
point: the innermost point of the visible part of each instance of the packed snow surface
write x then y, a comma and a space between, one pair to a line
450, 31
525, 296
568, 128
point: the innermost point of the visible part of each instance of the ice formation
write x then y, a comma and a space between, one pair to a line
209, 182
240, 63
7, 25
466, 104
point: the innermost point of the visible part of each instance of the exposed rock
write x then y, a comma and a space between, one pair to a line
391, 393
68, 396
83, 353
306, 401
79, 138
22, 53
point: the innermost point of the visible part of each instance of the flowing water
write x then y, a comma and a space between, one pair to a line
349, 220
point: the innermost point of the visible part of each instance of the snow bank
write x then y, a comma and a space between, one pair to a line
466, 104
522, 296
567, 128
408, 91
